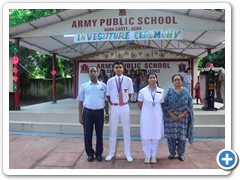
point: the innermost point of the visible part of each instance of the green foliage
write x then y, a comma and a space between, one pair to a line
59, 91
38, 64
218, 59
20, 16
65, 68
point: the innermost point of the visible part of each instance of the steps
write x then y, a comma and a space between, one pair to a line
63, 118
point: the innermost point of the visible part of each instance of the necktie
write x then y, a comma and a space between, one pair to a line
120, 93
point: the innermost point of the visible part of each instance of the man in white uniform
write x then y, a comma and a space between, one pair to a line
119, 91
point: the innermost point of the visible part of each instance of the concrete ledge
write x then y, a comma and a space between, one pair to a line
63, 118
200, 130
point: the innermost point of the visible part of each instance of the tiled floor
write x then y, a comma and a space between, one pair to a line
44, 152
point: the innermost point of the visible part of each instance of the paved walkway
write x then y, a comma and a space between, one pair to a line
46, 152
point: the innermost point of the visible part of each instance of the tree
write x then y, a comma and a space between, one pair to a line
218, 59
35, 64
20, 16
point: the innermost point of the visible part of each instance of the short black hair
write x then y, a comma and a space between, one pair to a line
177, 75
118, 63
187, 69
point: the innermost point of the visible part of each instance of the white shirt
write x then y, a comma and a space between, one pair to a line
112, 89
187, 78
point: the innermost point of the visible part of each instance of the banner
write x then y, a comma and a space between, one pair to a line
129, 35
163, 69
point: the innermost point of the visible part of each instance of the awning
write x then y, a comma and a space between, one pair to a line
203, 30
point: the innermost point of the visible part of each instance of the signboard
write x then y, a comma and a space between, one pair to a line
121, 20
164, 69
129, 35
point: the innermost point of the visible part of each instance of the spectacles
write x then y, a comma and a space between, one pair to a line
177, 80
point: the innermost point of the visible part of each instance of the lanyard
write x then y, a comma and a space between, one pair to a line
119, 88
152, 94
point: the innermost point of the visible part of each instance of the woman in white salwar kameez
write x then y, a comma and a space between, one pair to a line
150, 101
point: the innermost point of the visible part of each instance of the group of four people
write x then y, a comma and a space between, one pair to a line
169, 115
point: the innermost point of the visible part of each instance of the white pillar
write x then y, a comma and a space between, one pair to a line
195, 74
10, 75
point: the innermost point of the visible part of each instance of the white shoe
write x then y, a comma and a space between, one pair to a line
109, 157
153, 160
222, 108
129, 159
147, 160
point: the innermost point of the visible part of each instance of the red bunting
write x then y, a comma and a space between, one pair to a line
15, 78
15, 60
15, 70
53, 72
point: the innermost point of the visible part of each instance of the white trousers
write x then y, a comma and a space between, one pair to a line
150, 147
121, 113
134, 96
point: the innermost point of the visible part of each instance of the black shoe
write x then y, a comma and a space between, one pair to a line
181, 158
171, 157
99, 158
90, 158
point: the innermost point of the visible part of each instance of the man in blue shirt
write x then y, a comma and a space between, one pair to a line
92, 101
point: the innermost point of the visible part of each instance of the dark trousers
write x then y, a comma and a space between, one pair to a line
93, 118
176, 144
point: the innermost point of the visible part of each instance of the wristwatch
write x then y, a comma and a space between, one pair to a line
106, 115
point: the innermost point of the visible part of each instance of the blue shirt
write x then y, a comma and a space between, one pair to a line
93, 95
